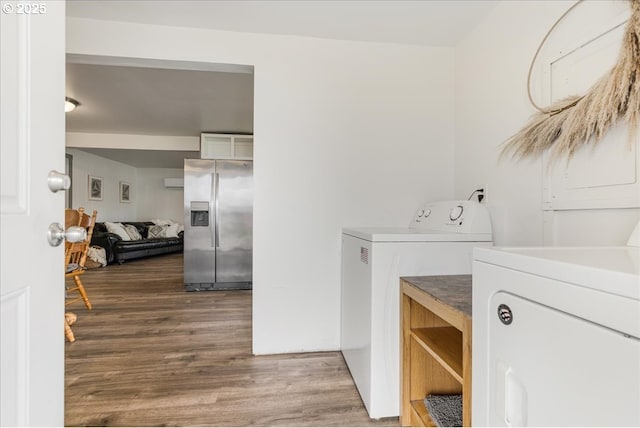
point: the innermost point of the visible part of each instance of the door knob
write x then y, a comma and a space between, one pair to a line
56, 234
58, 181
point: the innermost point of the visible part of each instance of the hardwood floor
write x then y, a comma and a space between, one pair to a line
151, 354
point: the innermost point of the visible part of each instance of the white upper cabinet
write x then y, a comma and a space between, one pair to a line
226, 146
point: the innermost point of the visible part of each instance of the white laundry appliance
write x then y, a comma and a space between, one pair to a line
556, 336
439, 241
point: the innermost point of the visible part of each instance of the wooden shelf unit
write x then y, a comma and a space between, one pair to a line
435, 354
445, 346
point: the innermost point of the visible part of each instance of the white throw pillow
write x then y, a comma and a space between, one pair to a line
172, 231
132, 231
157, 231
118, 229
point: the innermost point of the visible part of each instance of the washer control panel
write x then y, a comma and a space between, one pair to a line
456, 212
423, 213
453, 216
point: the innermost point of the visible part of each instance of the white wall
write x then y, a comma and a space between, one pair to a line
491, 105
156, 201
109, 208
149, 198
346, 133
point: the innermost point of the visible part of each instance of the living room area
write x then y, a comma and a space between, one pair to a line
148, 199
134, 124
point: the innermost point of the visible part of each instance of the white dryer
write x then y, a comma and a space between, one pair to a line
556, 336
439, 241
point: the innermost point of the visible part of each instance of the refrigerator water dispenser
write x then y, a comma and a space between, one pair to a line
199, 213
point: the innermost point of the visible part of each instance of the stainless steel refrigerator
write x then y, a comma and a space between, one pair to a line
218, 224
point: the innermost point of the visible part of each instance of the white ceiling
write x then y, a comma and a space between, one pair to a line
155, 101
426, 22
151, 100
145, 100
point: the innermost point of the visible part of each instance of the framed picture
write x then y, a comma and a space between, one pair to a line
125, 192
95, 188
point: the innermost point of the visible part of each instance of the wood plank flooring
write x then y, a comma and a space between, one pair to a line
150, 354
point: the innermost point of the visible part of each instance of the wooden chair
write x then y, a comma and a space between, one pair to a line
73, 217
69, 319
76, 255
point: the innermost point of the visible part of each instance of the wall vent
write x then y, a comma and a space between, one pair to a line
364, 255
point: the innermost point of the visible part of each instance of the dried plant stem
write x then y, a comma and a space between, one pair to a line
572, 122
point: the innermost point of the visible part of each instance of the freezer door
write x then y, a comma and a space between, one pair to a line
234, 217
199, 222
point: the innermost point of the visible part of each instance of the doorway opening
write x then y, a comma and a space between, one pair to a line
137, 122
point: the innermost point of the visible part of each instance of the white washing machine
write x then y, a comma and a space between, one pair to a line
439, 241
556, 336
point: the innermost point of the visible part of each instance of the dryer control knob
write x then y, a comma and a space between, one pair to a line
420, 213
456, 212
427, 213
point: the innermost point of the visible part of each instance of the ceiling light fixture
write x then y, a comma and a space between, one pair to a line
70, 104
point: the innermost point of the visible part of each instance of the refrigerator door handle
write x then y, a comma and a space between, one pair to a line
217, 228
213, 210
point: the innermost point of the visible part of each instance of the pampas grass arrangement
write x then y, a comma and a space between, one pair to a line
572, 122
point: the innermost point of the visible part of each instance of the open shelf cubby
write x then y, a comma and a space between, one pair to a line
444, 344
436, 355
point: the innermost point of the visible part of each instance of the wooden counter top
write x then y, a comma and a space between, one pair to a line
450, 290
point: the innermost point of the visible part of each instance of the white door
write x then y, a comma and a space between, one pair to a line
32, 61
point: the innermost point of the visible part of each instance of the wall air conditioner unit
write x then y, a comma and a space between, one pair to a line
174, 183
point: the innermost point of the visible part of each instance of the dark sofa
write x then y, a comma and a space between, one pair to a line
118, 250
